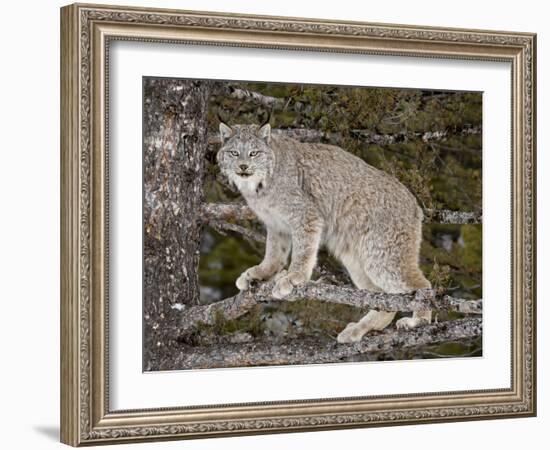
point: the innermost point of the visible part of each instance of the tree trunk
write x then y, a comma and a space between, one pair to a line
175, 142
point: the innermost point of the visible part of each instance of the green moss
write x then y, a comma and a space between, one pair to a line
458, 268
327, 319
471, 251
249, 323
472, 348
222, 265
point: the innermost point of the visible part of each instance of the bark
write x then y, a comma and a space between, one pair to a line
234, 307
312, 351
238, 211
366, 136
175, 143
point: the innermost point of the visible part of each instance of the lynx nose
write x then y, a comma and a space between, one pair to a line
243, 167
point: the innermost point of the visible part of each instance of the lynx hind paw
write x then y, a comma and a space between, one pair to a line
352, 333
408, 323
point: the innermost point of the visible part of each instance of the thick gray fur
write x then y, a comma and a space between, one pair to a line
309, 195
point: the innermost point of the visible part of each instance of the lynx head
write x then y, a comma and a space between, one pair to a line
245, 156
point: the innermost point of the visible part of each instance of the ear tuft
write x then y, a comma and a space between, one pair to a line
265, 132
225, 132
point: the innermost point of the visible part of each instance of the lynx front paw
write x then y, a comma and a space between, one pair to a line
247, 277
243, 282
285, 282
282, 287
408, 323
352, 333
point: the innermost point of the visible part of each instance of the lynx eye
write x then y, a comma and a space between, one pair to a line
234, 153
253, 153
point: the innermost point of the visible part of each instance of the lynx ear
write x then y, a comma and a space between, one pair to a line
225, 132
265, 132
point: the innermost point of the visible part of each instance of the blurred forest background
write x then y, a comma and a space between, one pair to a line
430, 140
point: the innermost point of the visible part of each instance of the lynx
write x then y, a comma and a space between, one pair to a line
312, 195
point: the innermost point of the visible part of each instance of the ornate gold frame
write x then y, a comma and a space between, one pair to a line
86, 31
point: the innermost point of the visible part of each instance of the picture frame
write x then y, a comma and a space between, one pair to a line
87, 31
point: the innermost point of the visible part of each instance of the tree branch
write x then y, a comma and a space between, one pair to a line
240, 304
229, 308
312, 351
227, 211
238, 211
452, 217
463, 306
366, 136
250, 235
256, 97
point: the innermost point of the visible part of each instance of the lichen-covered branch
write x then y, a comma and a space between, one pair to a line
452, 217
366, 136
461, 305
347, 295
227, 211
229, 308
236, 306
256, 97
239, 211
312, 351
250, 235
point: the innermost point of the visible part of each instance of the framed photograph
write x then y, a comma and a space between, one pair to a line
276, 224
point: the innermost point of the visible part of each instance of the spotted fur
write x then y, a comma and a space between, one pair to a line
312, 195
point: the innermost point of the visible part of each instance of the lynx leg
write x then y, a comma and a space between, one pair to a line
358, 275
416, 281
276, 255
400, 273
374, 320
306, 239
